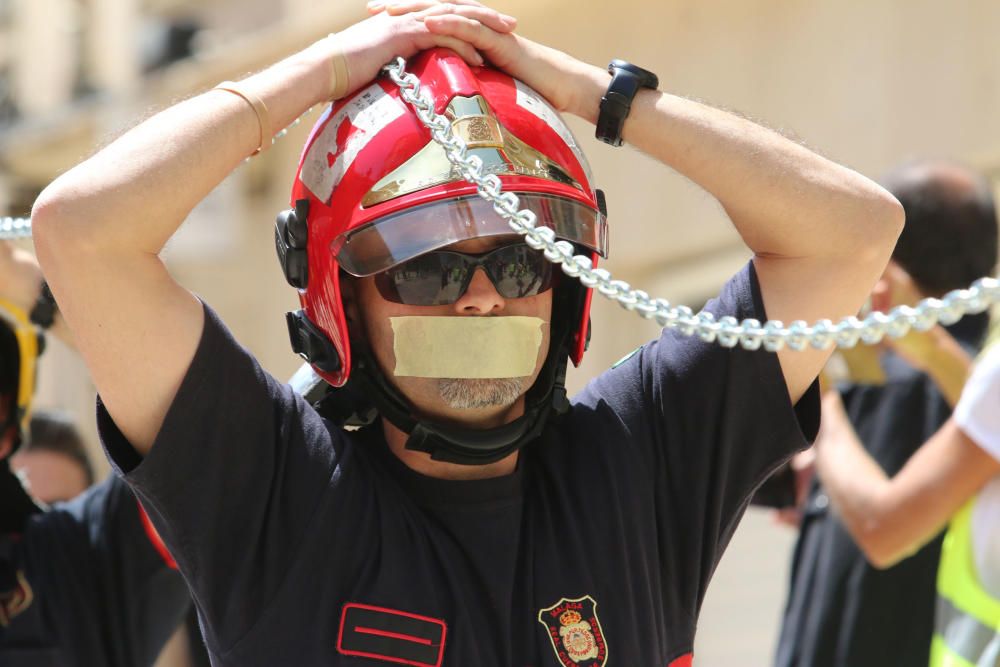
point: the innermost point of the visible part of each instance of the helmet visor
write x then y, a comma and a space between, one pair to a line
401, 236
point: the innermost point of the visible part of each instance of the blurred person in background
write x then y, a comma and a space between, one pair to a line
53, 462
842, 610
86, 582
953, 481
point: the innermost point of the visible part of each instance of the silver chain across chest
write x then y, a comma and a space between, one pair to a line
727, 331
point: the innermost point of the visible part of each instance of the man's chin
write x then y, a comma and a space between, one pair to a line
480, 394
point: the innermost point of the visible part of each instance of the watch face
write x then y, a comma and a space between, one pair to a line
646, 78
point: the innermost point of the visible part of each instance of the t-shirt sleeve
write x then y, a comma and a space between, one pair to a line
232, 481
978, 410
703, 426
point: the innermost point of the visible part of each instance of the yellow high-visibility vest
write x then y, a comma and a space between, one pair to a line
967, 619
29, 346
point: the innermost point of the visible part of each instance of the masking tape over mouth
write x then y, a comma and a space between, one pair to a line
466, 347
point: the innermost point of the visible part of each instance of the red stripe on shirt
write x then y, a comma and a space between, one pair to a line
154, 537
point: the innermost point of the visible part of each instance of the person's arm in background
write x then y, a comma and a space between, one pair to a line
21, 284
891, 518
821, 233
934, 352
99, 227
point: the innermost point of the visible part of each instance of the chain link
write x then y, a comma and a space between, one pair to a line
727, 331
12, 229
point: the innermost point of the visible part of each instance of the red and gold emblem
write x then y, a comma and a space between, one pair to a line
575, 632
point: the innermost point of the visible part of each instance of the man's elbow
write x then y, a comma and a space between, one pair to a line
887, 219
55, 225
895, 216
870, 237
46, 217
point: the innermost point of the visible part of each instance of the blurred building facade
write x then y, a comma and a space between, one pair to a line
867, 84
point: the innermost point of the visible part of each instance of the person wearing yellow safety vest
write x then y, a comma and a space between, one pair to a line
955, 476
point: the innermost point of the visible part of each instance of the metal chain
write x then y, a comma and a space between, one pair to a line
12, 229
750, 334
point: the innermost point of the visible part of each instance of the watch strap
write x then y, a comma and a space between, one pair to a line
44, 311
626, 81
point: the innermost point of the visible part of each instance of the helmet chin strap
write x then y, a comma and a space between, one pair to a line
457, 444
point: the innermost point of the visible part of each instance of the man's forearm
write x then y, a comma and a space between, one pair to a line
854, 482
821, 233
136, 192
784, 199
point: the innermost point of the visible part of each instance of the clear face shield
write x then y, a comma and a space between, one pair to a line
401, 236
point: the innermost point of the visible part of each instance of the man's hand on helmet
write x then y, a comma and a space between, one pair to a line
372, 43
543, 68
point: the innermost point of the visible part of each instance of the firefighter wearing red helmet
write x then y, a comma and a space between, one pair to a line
477, 517
374, 192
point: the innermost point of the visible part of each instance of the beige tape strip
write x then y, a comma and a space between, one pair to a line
466, 347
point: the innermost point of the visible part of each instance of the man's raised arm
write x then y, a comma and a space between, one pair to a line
98, 229
821, 233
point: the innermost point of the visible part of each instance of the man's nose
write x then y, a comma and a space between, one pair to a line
481, 298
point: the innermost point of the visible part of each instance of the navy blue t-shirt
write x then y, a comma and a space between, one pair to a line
308, 545
100, 592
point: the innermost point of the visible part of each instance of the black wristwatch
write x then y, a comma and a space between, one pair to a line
44, 312
626, 80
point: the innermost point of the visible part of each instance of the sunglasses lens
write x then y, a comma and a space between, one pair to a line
440, 278
434, 279
518, 271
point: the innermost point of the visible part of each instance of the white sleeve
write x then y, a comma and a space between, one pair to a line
978, 410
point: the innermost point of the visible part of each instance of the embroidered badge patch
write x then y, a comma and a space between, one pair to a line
575, 632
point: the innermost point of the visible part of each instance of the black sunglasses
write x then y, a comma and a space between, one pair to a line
440, 277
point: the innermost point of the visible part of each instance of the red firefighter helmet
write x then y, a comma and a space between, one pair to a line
374, 190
